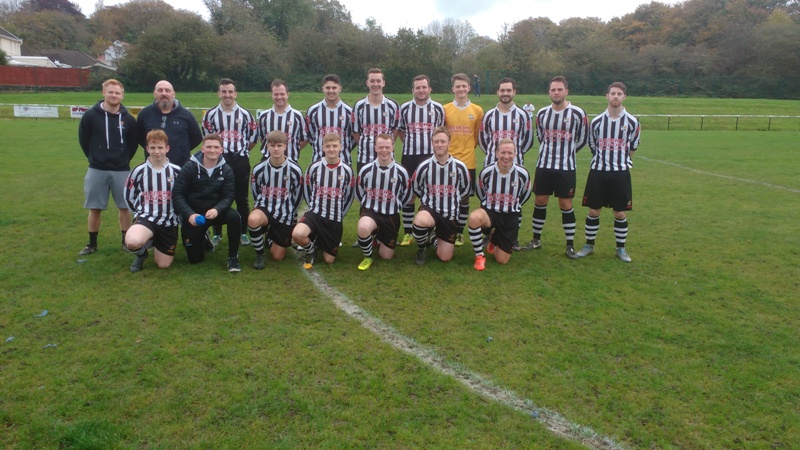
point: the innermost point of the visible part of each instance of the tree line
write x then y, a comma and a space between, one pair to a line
721, 48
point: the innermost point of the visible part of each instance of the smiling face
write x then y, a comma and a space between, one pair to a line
506, 93
227, 95
280, 97
331, 148
384, 148
331, 89
441, 144
421, 91
113, 95
461, 90
505, 156
212, 149
375, 83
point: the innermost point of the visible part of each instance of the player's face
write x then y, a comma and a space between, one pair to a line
280, 97
421, 91
505, 156
112, 95
331, 91
558, 93
227, 95
157, 150
375, 83
615, 97
461, 90
384, 149
441, 144
212, 149
506, 93
164, 94
331, 150
276, 149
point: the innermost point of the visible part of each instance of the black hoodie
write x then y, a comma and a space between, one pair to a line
108, 140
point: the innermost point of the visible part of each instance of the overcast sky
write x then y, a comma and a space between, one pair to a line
486, 16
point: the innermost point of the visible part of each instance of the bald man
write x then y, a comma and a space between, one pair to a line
166, 113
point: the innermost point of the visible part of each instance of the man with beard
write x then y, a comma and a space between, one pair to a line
166, 113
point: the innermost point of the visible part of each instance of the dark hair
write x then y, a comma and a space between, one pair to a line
331, 77
507, 80
560, 79
278, 82
618, 85
227, 81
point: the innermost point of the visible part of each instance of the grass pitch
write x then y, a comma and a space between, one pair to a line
691, 345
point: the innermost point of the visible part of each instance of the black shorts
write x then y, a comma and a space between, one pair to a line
411, 162
388, 226
278, 233
560, 183
506, 229
164, 238
608, 189
326, 234
446, 229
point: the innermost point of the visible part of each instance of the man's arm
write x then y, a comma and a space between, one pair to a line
228, 190
85, 134
180, 190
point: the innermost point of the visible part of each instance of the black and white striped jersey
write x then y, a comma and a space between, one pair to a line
384, 190
278, 189
148, 193
329, 189
322, 120
441, 186
612, 141
238, 129
417, 124
291, 122
514, 125
561, 134
503, 193
370, 121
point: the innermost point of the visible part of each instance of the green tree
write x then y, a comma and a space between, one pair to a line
49, 30
283, 16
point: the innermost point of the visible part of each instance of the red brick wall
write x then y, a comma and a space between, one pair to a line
43, 77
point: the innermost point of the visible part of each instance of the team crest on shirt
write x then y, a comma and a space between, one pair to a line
239, 122
471, 117
567, 120
393, 180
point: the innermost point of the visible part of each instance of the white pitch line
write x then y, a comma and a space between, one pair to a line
554, 421
727, 177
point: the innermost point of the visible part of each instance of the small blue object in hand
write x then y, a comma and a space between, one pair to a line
200, 220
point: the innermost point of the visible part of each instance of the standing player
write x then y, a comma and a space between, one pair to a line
463, 120
205, 187
503, 188
562, 130
440, 183
372, 116
329, 193
613, 138
383, 188
277, 186
149, 195
418, 118
166, 113
283, 118
331, 115
529, 108
506, 120
238, 130
107, 135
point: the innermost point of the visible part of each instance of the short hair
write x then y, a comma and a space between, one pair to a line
278, 82
507, 80
331, 137
375, 70
332, 77
276, 137
504, 141
213, 137
560, 79
384, 136
439, 130
223, 81
618, 85
420, 78
112, 82
459, 77
157, 135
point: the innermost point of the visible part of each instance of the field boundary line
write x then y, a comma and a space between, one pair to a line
727, 177
475, 382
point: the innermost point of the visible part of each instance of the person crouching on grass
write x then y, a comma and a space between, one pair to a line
502, 188
328, 192
148, 192
277, 186
205, 188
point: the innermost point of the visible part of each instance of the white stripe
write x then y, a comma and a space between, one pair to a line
727, 177
477, 383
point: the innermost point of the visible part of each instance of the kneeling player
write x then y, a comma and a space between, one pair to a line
148, 192
383, 188
328, 191
277, 190
502, 188
441, 183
